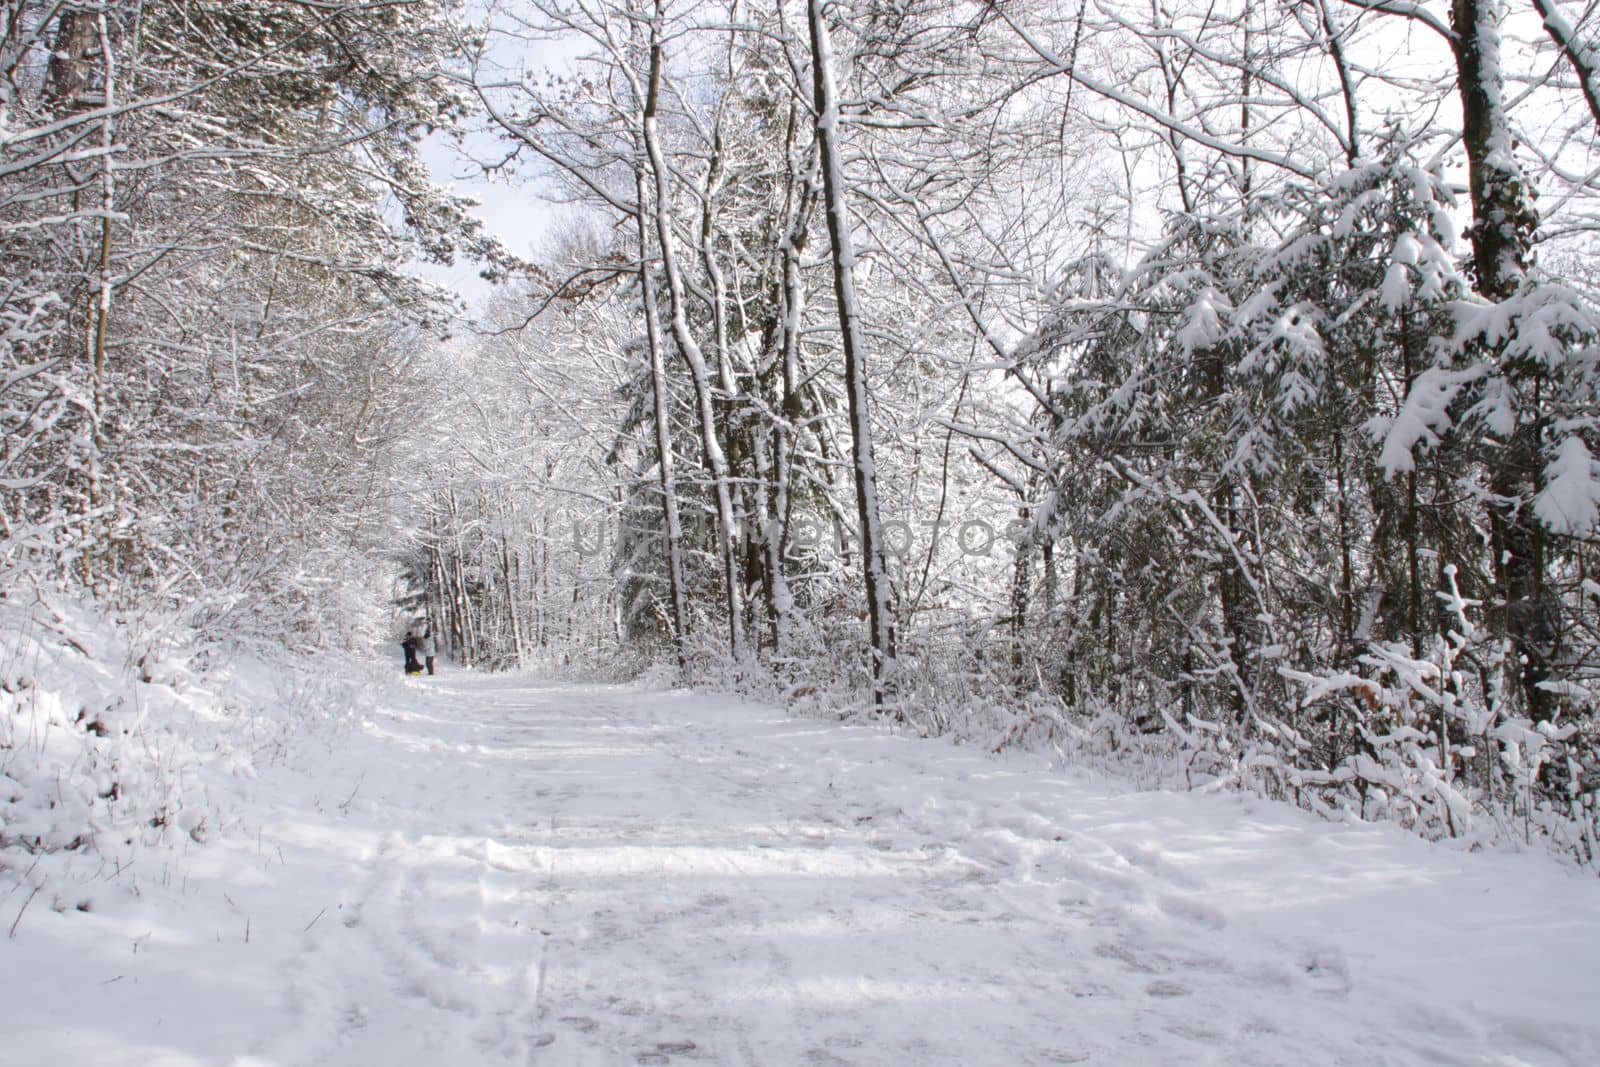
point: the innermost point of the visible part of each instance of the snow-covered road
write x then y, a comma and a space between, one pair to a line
499, 872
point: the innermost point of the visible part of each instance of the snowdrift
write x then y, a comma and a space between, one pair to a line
124, 739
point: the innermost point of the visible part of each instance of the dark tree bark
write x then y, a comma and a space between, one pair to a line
1502, 237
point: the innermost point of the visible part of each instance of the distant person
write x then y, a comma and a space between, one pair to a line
412, 646
430, 649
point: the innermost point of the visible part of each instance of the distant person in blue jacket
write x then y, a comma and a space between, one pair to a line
412, 645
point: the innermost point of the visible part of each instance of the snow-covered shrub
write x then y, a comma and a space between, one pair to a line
1445, 749
124, 737
87, 758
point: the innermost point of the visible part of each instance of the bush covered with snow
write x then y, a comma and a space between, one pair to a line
122, 737
1428, 742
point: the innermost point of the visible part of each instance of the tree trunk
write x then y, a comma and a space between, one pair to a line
1502, 235
663, 428
727, 528
791, 307
875, 572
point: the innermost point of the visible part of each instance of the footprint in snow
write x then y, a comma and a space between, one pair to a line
1126, 956
1196, 911
1165, 987
1326, 969
675, 1048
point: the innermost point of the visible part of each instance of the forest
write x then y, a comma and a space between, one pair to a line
1210, 385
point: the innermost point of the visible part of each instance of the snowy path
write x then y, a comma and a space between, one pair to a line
502, 873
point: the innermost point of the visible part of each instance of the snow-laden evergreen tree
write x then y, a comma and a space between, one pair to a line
212, 324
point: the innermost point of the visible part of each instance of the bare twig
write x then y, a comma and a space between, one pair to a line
12, 936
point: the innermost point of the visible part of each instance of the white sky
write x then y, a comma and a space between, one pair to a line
512, 208
515, 212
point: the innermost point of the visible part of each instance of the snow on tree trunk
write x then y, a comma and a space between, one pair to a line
663, 430
699, 372
1581, 54
101, 319
875, 573
791, 309
1502, 234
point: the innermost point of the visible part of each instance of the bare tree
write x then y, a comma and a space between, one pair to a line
875, 572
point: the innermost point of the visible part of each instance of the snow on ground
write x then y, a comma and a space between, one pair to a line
497, 871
